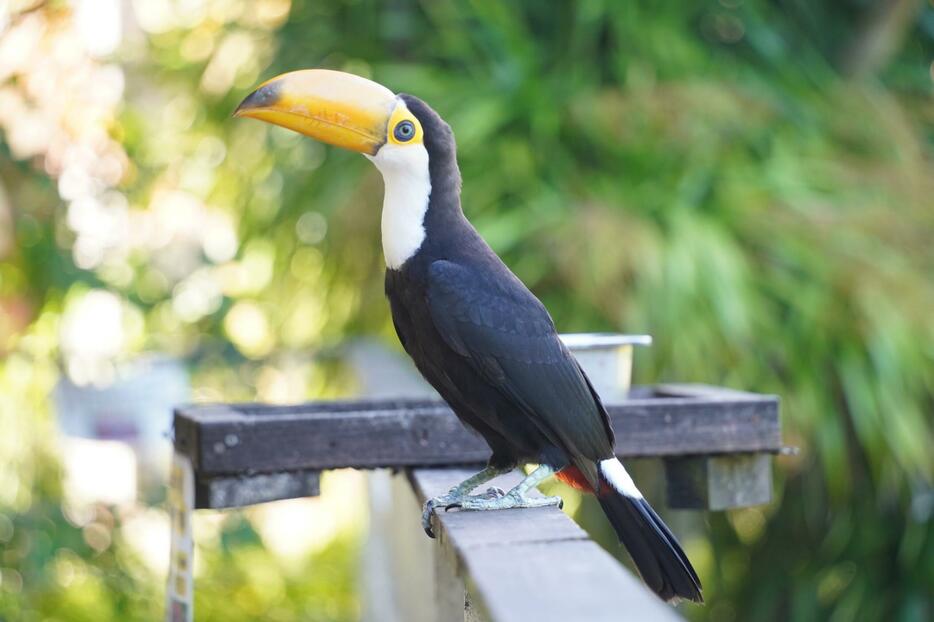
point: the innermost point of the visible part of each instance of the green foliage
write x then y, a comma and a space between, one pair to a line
715, 175
57, 571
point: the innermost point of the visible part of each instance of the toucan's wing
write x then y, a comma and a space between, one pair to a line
509, 338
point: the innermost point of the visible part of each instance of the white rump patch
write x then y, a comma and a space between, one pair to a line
615, 473
405, 202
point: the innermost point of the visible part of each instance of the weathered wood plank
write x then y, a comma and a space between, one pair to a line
232, 439
558, 581
518, 564
705, 391
239, 490
718, 482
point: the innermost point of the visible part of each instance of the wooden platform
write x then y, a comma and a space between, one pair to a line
227, 441
505, 566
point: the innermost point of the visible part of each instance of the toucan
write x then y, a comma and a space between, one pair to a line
474, 330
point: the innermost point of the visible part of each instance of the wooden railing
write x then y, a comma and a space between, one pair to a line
504, 566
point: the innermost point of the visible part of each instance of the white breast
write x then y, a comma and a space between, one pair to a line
405, 202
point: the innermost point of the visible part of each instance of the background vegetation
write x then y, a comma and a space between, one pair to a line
749, 181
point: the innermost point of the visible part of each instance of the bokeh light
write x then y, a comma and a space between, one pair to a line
749, 182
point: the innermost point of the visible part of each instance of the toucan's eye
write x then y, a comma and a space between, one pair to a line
404, 131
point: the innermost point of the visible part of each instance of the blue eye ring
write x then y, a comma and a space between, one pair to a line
404, 131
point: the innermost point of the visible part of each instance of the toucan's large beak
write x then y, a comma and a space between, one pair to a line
337, 108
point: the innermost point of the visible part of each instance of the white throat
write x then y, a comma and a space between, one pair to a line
405, 201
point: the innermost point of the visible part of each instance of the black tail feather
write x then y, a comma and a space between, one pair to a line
654, 549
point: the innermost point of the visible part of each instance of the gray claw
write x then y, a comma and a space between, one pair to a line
427, 511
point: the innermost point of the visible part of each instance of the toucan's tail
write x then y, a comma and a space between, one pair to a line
654, 550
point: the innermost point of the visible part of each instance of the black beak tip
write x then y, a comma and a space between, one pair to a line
263, 97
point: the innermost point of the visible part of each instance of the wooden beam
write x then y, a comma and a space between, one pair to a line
517, 565
249, 438
239, 490
718, 482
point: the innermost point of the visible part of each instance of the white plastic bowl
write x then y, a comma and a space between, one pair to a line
606, 359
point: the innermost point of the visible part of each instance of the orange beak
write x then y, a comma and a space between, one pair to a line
337, 108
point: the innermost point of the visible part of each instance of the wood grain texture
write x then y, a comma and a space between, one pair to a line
239, 490
718, 482
534, 564
673, 420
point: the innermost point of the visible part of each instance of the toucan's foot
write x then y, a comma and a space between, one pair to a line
513, 499
493, 492
493, 498
454, 500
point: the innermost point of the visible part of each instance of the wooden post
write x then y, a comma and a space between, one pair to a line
718, 482
411, 560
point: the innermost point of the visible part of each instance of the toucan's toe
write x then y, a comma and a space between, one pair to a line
494, 492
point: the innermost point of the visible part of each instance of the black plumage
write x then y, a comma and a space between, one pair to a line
490, 348
482, 339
